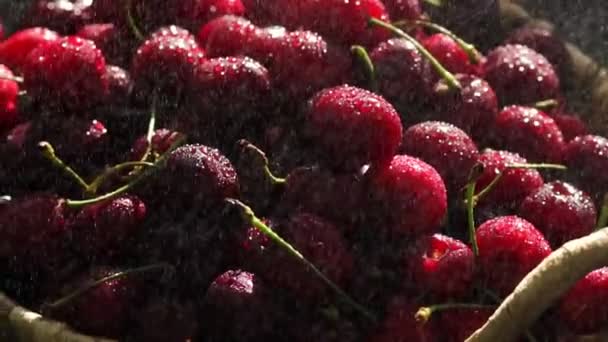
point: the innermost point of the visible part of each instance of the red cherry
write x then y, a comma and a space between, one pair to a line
14, 49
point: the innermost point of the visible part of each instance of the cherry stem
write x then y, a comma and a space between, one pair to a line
496, 179
424, 313
48, 152
138, 178
150, 133
370, 70
260, 154
436, 3
443, 72
602, 220
546, 104
251, 218
472, 52
97, 182
131, 21
16, 79
474, 175
118, 275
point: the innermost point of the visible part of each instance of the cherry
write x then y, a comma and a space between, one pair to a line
227, 36
409, 197
116, 43
531, 133
473, 108
163, 66
403, 9
404, 76
239, 306
547, 43
198, 175
338, 196
102, 310
301, 54
19, 44
571, 125
228, 94
319, 241
103, 229
9, 92
453, 57
520, 75
586, 157
440, 266
120, 86
34, 230
515, 183
68, 73
583, 309
445, 147
354, 126
560, 211
509, 248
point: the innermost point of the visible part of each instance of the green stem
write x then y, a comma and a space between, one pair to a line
472, 52
97, 182
436, 3
470, 195
131, 21
118, 275
474, 175
250, 217
138, 178
443, 72
542, 166
266, 164
496, 179
602, 220
48, 152
150, 133
546, 104
424, 313
370, 70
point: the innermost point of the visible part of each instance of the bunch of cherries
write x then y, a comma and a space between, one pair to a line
282, 170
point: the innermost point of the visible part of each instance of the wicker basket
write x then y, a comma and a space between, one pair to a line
589, 83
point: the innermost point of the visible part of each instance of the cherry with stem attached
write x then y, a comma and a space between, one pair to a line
251, 218
449, 78
471, 199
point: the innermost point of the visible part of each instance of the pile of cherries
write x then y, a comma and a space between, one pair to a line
282, 170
